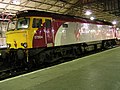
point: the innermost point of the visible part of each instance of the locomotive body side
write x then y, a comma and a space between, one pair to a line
50, 31
118, 34
77, 32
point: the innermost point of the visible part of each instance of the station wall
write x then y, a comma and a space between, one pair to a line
3, 29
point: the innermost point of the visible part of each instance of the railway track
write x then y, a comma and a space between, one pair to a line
10, 72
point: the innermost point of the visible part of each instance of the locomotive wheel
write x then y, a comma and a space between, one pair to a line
20, 54
3, 54
4, 57
107, 44
76, 51
39, 59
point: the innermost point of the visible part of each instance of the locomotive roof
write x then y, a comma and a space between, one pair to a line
59, 16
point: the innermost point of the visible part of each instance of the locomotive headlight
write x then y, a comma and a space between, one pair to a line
8, 45
24, 45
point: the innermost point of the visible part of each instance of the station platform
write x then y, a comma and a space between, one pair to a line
99, 71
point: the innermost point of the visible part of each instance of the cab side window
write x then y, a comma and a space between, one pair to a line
47, 23
65, 25
37, 22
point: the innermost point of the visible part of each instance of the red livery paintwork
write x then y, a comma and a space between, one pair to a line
39, 38
56, 24
44, 36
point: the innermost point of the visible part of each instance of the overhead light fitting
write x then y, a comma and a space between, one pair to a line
88, 12
16, 2
92, 18
117, 28
114, 22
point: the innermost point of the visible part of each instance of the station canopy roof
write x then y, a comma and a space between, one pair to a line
101, 9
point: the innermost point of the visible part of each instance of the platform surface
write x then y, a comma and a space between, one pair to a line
100, 71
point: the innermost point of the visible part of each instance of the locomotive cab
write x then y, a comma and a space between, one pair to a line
17, 33
29, 32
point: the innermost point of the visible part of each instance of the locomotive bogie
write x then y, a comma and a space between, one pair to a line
51, 33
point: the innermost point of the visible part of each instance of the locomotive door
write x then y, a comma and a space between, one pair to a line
39, 33
49, 33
